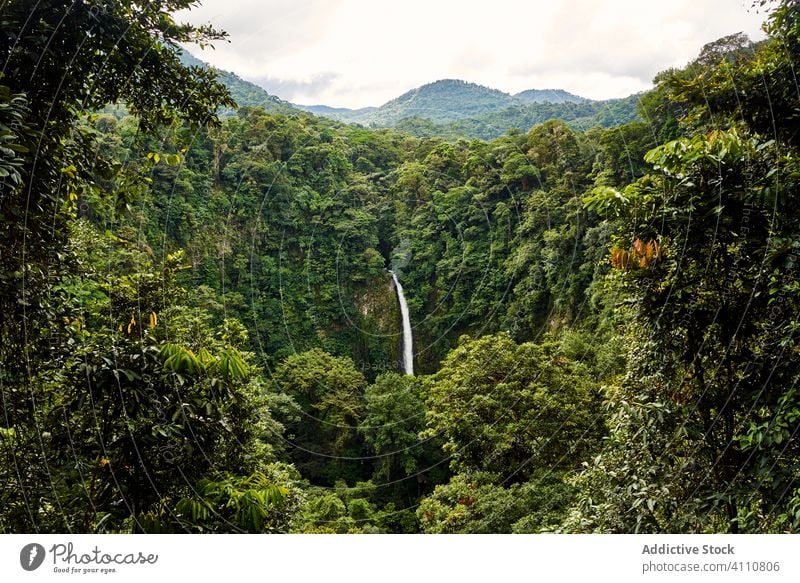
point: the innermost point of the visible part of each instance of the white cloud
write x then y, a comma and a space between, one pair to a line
354, 53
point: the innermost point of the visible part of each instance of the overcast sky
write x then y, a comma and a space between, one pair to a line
354, 53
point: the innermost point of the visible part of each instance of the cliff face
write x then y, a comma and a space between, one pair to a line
378, 327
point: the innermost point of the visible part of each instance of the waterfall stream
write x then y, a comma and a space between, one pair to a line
408, 339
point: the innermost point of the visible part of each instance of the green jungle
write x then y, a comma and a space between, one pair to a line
199, 331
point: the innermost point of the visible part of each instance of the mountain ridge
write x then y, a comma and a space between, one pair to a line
447, 107
443, 100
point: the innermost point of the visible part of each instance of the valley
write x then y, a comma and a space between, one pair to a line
461, 311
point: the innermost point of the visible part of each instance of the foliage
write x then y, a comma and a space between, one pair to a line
246, 503
351, 510
457, 109
406, 466
701, 425
509, 409
475, 504
329, 396
198, 332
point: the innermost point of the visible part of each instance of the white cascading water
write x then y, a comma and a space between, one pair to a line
408, 339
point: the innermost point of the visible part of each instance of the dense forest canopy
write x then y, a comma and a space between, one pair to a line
198, 331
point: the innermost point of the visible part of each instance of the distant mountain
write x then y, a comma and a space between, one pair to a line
338, 113
456, 108
326, 110
581, 115
445, 100
548, 96
440, 101
449, 107
243, 92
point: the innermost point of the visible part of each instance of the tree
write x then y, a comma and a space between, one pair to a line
322, 426
145, 401
703, 423
509, 409
406, 466
61, 60
473, 503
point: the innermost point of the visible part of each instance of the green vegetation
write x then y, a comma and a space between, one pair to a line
547, 96
491, 124
456, 109
198, 332
443, 100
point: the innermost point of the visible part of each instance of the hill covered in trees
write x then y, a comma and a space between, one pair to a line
448, 108
199, 334
547, 96
453, 108
443, 100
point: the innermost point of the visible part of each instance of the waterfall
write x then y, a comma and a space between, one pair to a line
408, 339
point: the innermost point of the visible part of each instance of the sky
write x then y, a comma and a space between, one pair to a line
356, 53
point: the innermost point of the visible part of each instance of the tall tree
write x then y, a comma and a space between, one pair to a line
61, 60
706, 254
